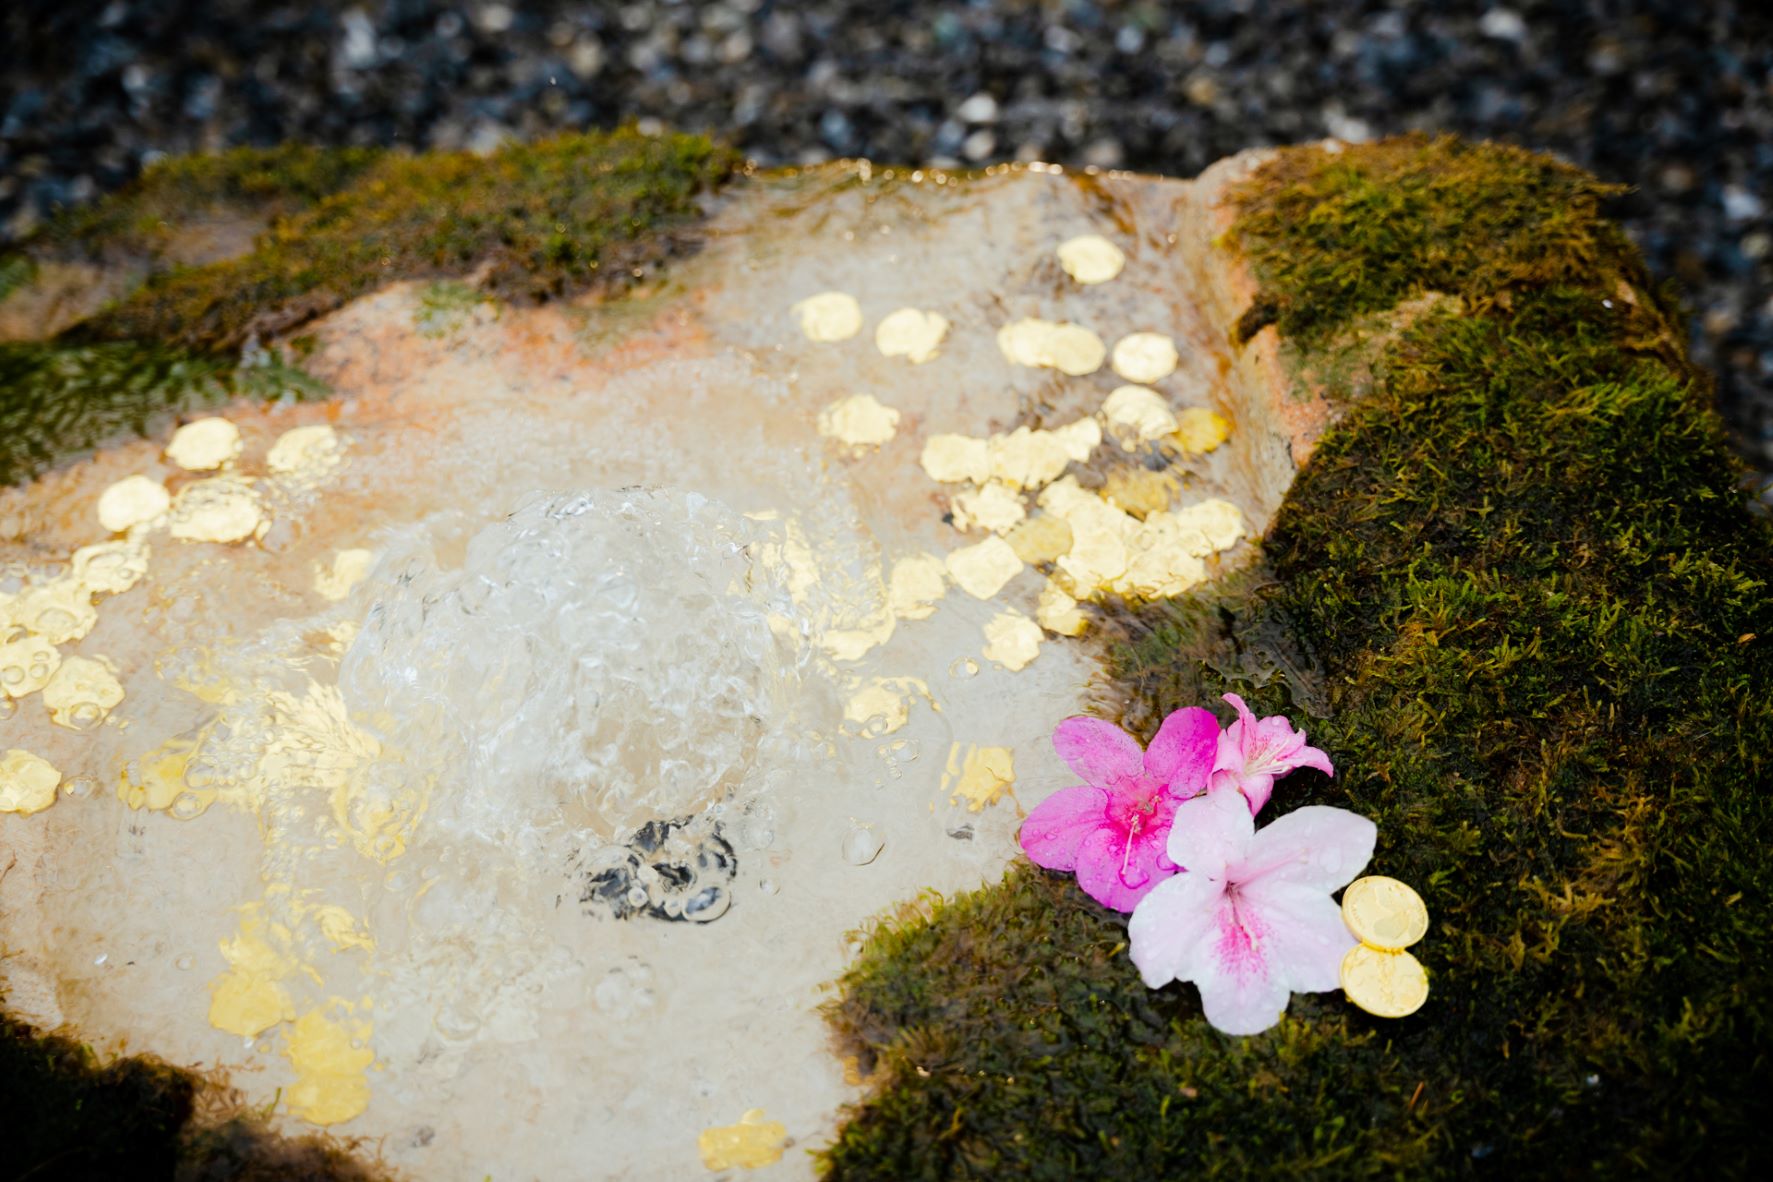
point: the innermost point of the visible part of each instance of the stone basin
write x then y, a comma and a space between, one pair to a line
510, 741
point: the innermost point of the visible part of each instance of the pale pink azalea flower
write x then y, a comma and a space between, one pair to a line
1254, 753
1251, 921
1111, 829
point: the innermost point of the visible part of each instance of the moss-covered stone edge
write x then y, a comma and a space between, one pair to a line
592, 211
1519, 577
73, 1116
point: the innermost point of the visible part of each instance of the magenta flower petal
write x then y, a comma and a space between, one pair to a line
1098, 751
1098, 867
1058, 825
1253, 753
1118, 871
1242, 731
1257, 788
1312, 757
1182, 753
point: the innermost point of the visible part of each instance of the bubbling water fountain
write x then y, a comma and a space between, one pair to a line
597, 662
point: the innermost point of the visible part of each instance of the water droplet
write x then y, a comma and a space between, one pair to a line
861, 846
52, 620
85, 715
186, 805
185, 963
455, 1021
39, 670
769, 886
637, 896
12, 674
80, 787
963, 668
756, 829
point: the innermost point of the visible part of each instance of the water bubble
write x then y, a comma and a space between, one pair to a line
454, 1020
13, 675
185, 963
85, 715
861, 846
756, 829
769, 886
637, 896
39, 670
187, 805
600, 651
54, 619
80, 787
963, 668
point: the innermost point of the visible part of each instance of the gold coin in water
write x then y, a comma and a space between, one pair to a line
1384, 913
1385, 984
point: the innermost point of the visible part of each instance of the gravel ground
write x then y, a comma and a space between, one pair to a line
1674, 97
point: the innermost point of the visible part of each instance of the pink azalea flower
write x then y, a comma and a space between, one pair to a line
1252, 920
1254, 753
1111, 830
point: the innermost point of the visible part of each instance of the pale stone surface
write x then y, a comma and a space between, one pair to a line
433, 974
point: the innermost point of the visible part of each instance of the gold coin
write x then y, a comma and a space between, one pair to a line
1384, 913
1385, 984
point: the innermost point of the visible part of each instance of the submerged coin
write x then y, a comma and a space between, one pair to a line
1384, 913
204, 445
829, 316
911, 333
1091, 258
1385, 984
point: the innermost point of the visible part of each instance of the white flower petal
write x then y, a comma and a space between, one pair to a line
1171, 925
1315, 846
1211, 832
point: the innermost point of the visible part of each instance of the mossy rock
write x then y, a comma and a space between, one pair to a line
530, 221
553, 219
1518, 582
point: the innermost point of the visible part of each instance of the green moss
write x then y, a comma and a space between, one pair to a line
445, 306
1338, 236
1545, 631
530, 221
59, 400
15, 271
178, 191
